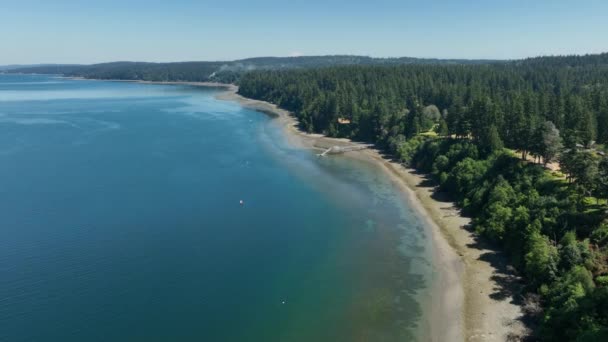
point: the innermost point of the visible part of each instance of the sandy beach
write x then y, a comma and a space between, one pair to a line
479, 292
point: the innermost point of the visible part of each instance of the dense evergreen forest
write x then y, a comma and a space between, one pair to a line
486, 134
227, 72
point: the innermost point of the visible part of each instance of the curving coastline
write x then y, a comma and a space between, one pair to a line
469, 273
475, 292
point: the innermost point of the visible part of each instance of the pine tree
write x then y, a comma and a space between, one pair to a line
490, 140
602, 120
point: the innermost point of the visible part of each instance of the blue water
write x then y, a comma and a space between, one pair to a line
120, 221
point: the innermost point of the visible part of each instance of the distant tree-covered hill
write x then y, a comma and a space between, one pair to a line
228, 72
35, 68
567, 61
232, 71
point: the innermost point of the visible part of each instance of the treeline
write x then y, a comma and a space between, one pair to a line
484, 133
383, 103
161, 72
221, 71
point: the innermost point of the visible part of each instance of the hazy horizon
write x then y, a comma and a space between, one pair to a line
70, 32
269, 56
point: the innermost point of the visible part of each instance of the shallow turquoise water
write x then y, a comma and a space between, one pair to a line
120, 221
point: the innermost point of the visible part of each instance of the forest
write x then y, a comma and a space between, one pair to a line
520, 146
220, 71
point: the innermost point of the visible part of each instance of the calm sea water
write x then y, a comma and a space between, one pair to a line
120, 221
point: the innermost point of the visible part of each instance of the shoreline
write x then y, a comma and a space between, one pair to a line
227, 86
467, 271
473, 302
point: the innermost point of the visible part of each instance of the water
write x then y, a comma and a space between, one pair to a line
120, 221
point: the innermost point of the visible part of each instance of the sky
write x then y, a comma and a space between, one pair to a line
67, 31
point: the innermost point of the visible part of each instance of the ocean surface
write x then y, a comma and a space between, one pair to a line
120, 221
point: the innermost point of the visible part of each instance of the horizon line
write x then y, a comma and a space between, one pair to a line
309, 56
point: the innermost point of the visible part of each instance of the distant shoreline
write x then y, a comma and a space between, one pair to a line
230, 87
463, 309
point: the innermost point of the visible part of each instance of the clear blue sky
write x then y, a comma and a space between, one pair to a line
64, 31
